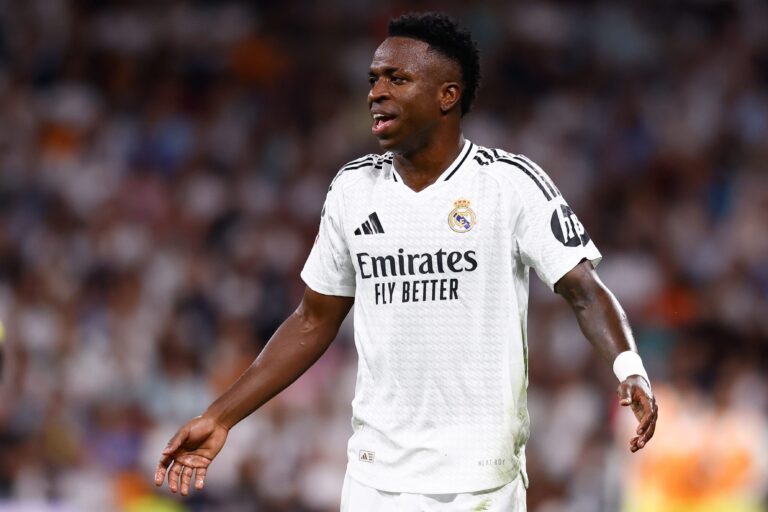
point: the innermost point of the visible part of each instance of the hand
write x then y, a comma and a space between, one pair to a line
192, 449
636, 392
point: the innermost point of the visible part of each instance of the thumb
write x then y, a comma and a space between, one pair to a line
625, 394
176, 441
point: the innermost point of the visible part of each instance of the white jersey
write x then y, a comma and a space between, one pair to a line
440, 280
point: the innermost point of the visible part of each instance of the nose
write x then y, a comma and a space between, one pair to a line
379, 91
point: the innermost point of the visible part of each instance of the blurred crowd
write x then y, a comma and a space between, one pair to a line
162, 170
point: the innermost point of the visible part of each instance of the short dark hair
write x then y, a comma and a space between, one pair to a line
443, 34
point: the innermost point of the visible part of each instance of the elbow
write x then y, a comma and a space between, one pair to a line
313, 324
581, 298
306, 322
590, 297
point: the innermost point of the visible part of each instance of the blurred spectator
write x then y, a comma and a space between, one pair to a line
162, 170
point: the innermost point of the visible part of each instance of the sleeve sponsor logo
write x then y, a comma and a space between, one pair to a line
567, 228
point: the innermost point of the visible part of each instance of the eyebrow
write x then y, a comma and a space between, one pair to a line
383, 70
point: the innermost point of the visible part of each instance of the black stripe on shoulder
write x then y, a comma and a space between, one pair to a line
482, 159
360, 160
541, 174
333, 181
372, 160
486, 154
375, 161
366, 163
381, 163
528, 172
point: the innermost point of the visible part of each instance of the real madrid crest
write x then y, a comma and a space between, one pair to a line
462, 218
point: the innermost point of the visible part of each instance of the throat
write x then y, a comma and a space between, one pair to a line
418, 181
423, 169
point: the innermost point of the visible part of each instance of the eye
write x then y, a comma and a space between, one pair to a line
372, 79
397, 80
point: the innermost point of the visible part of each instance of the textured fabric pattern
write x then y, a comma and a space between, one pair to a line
441, 294
508, 498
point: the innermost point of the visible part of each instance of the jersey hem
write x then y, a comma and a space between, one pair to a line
481, 485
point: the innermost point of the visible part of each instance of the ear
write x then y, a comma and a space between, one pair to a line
450, 94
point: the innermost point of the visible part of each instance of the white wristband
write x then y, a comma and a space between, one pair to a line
629, 363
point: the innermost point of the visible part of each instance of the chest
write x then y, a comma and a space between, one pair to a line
385, 220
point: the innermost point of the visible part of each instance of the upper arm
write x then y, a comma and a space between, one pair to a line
580, 284
323, 311
600, 316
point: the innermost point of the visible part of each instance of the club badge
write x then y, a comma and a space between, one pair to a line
462, 218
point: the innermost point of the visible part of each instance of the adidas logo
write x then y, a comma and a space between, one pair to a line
366, 456
370, 227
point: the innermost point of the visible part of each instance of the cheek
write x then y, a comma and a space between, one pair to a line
424, 105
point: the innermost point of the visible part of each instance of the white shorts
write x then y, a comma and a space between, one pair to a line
356, 497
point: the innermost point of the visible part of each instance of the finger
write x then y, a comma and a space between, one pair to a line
625, 395
186, 478
642, 440
649, 433
173, 476
645, 424
200, 478
160, 474
166, 459
646, 419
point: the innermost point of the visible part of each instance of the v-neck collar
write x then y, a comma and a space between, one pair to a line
449, 173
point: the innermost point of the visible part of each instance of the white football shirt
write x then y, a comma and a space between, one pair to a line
440, 280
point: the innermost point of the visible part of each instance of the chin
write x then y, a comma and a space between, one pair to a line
388, 144
393, 143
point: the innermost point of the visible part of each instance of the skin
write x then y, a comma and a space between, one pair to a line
605, 325
300, 341
421, 90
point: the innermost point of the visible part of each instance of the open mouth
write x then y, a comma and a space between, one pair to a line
381, 122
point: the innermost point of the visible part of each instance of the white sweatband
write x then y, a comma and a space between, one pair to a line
629, 363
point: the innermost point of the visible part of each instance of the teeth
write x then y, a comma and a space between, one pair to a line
378, 117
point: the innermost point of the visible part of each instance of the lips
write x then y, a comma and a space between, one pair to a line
382, 121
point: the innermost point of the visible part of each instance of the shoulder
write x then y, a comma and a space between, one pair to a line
516, 171
366, 168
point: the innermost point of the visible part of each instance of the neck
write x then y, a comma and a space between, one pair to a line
421, 167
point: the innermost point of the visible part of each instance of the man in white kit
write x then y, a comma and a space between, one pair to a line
432, 242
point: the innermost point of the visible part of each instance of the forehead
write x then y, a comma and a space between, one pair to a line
405, 53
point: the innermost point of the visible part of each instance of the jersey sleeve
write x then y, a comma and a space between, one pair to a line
328, 269
550, 237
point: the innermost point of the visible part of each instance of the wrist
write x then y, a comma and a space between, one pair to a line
629, 363
218, 418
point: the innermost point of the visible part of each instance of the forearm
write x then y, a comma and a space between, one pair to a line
600, 316
294, 347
